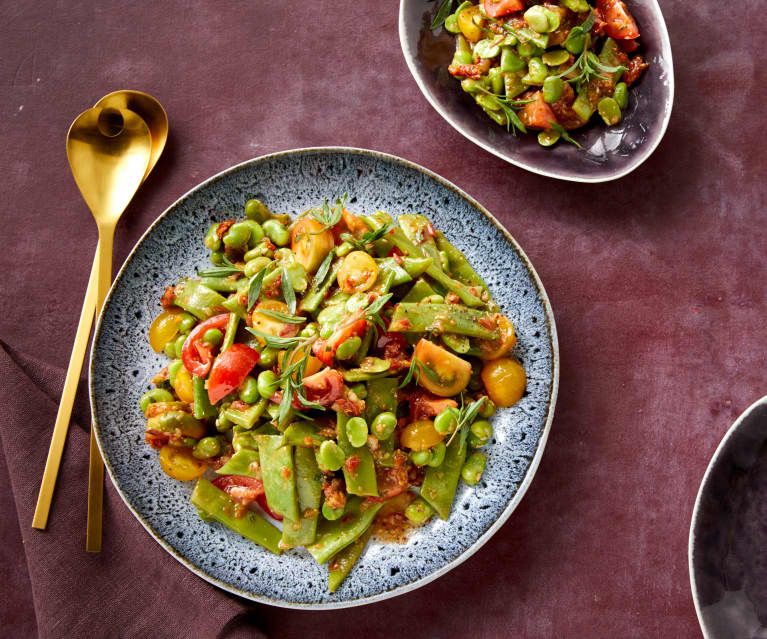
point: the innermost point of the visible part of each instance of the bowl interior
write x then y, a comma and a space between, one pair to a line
608, 153
123, 364
728, 567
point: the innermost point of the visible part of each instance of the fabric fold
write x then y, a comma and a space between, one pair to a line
133, 585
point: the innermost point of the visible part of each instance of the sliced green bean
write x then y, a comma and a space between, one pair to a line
343, 561
278, 475
203, 409
303, 434
334, 536
439, 484
219, 506
197, 299
309, 490
442, 318
243, 463
362, 479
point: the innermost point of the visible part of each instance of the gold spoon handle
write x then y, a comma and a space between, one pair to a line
96, 464
61, 427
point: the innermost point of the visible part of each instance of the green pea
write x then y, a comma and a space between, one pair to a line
437, 455
552, 89
510, 61
419, 511
212, 336
451, 23
170, 349
357, 431
383, 425
212, 240
256, 232
277, 232
330, 514
207, 447
348, 348
217, 258
555, 57
330, 455
536, 72
480, 433
262, 250
536, 17
326, 332
268, 357
187, 323
473, 468
609, 110
267, 383
257, 210
249, 390
173, 369
447, 421
237, 236
152, 396
360, 390
255, 265
548, 137
488, 408
421, 457
621, 95
310, 330
575, 44
553, 18
179, 344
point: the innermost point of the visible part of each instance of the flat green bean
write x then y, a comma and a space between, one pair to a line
279, 476
309, 490
442, 318
334, 536
362, 479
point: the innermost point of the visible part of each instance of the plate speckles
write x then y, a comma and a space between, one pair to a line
122, 365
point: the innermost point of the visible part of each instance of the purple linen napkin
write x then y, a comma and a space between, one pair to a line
137, 587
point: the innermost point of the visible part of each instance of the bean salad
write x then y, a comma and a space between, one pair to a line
546, 66
334, 372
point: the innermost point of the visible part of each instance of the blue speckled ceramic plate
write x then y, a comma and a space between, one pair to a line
122, 365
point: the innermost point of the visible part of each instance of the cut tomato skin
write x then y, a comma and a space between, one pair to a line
496, 8
197, 356
620, 23
229, 370
537, 114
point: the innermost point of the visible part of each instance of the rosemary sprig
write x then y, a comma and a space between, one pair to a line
445, 9
563, 134
274, 341
416, 368
254, 287
322, 271
287, 291
327, 217
283, 317
513, 123
221, 271
368, 238
466, 415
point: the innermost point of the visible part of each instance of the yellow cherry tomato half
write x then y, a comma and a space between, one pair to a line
180, 464
447, 374
309, 243
358, 272
420, 435
504, 380
493, 349
271, 325
466, 23
163, 329
313, 365
183, 386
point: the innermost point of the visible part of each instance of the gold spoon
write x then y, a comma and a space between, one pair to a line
108, 151
152, 112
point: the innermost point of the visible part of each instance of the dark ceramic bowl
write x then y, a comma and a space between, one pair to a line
609, 153
728, 535
123, 364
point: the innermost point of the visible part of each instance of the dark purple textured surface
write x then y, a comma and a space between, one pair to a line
657, 283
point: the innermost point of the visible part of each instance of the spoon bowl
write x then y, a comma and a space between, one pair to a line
150, 110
